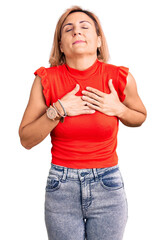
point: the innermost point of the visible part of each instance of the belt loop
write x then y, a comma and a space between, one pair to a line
95, 173
64, 173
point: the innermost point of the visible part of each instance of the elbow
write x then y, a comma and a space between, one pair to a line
22, 140
25, 145
136, 122
143, 120
145, 116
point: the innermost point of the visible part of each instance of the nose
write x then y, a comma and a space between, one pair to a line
76, 31
76, 34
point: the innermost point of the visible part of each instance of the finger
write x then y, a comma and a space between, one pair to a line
95, 107
92, 96
88, 111
96, 91
112, 87
76, 89
84, 103
91, 100
87, 108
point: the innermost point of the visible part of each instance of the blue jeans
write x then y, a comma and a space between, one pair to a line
85, 204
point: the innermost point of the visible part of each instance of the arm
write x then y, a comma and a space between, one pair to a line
132, 113
35, 125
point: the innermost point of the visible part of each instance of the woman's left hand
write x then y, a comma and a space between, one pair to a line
108, 104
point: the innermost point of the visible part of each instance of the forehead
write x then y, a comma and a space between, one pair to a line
77, 17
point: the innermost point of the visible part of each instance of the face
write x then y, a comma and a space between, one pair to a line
78, 36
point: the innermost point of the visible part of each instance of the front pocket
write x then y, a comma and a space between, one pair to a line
112, 180
52, 184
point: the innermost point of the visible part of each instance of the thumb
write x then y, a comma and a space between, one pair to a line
111, 86
76, 89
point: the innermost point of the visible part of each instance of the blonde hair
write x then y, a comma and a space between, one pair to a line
57, 57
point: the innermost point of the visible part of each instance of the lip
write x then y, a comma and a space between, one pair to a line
78, 41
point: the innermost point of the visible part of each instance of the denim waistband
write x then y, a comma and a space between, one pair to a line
76, 174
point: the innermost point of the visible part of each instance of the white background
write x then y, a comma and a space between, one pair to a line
135, 34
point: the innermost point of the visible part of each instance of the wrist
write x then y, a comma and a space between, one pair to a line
58, 106
121, 110
58, 117
59, 113
52, 113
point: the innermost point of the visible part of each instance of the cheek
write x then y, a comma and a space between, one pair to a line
92, 42
92, 38
66, 38
65, 42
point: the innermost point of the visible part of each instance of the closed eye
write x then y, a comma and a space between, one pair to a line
68, 30
71, 29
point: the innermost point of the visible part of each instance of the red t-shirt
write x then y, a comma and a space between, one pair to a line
88, 140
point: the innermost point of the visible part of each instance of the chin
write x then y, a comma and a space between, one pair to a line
81, 51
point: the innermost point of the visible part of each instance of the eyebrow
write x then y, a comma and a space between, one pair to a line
72, 23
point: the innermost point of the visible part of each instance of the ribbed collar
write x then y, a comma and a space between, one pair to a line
85, 74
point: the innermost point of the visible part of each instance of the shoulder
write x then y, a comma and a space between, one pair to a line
49, 70
131, 86
109, 67
130, 78
116, 71
55, 69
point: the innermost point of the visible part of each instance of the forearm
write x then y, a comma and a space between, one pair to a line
131, 118
35, 132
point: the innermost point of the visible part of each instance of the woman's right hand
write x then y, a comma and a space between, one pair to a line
74, 105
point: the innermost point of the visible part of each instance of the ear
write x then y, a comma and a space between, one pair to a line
99, 41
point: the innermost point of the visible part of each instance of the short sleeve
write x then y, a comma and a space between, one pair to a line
42, 73
122, 81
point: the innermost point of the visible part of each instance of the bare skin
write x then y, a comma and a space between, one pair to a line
131, 112
35, 125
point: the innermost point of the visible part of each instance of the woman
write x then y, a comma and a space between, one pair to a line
84, 195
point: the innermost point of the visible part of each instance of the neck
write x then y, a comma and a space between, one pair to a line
81, 63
